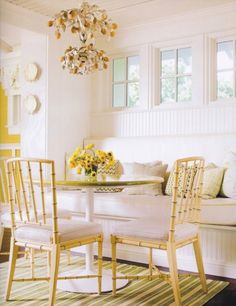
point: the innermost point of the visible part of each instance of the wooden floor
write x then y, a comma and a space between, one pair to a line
227, 297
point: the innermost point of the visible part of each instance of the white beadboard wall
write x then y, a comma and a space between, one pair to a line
187, 121
203, 115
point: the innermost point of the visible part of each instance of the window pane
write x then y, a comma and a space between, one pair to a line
225, 87
119, 73
225, 55
133, 94
184, 89
133, 68
185, 60
118, 95
168, 90
168, 62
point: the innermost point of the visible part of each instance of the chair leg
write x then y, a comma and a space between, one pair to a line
55, 258
49, 263
26, 255
150, 262
198, 256
12, 264
1, 235
113, 260
100, 266
32, 253
171, 252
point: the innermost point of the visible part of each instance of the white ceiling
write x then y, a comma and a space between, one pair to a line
124, 12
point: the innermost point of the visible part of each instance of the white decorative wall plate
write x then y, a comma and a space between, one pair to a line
31, 72
31, 104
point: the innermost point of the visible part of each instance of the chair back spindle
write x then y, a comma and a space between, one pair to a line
26, 185
3, 190
186, 194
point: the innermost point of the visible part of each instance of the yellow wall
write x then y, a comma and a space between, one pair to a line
5, 138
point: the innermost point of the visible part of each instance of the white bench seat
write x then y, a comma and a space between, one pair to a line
220, 211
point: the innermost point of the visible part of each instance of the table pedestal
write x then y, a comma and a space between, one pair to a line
89, 285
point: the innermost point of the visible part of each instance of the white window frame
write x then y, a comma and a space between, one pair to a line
196, 42
225, 70
126, 82
211, 41
175, 76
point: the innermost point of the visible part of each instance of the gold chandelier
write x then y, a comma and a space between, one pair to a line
88, 22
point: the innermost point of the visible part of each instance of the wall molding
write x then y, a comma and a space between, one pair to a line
195, 120
10, 146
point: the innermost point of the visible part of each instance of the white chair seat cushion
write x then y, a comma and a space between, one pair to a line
154, 229
5, 218
68, 230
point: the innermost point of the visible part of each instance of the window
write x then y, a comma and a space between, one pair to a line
226, 69
176, 75
125, 82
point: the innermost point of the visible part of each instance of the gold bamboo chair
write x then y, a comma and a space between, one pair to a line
177, 231
5, 216
40, 232
3, 206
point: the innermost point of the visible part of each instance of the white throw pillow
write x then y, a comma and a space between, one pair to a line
150, 169
130, 169
228, 188
212, 181
230, 159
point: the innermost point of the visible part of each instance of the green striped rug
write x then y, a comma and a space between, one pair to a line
142, 292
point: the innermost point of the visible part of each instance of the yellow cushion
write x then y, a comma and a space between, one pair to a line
170, 182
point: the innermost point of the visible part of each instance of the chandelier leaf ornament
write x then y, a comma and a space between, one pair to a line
88, 22
84, 60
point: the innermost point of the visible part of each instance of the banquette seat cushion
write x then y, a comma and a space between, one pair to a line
220, 211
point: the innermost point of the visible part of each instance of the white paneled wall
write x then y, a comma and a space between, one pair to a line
201, 116
187, 121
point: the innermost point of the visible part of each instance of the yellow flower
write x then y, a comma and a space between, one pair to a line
88, 167
93, 174
89, 146
72, 163
79, 170
77, 151
89, 159
110, 156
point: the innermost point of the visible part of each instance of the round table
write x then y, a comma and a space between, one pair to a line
89, 285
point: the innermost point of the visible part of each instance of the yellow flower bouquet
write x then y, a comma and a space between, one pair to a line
87, 160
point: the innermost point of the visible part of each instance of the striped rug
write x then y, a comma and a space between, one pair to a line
142, 292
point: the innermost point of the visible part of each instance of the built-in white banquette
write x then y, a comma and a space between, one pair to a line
218, 216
